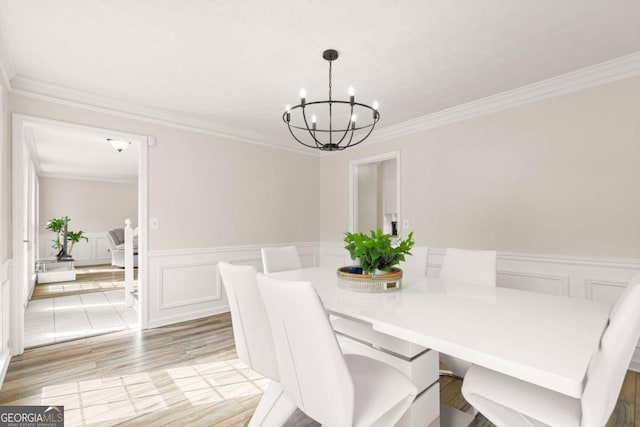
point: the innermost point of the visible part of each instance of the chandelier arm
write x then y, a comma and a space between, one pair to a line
377, 118
296, 138
363, 138
350, 139
348, 128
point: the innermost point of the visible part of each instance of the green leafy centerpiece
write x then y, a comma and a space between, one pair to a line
378, 255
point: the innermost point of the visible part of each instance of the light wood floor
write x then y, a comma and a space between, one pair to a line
185, 374
89, 278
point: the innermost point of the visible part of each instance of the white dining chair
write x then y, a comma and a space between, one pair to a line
415, 265
470, 267
509, 402
280, 259
332, 388
254, 344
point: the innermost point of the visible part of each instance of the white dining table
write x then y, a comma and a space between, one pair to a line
543, 339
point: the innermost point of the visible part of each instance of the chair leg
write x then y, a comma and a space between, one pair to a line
274, 409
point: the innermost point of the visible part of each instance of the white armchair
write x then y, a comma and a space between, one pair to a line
115, 241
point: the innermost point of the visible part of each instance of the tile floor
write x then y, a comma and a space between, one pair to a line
63, 318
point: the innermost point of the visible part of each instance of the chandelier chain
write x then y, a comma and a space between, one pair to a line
330, 80
330, 107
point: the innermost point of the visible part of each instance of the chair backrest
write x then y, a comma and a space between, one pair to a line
313, 372
115, 237
464, 266
610, 362
251, 327
280, 259
416, 264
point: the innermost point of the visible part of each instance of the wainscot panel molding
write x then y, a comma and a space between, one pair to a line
185, 284
5, 313
92, 252
593, 278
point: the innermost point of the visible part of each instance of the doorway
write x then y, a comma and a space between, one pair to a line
374, 187
62, 159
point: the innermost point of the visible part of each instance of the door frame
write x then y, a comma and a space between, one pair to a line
353, 185
18, 144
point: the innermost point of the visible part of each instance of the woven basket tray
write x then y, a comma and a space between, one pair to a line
366, 283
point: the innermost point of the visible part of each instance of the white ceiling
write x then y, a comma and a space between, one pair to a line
232, 66
65, 152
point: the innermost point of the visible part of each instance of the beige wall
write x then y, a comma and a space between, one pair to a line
92, 206
209, 191
558, 176
5, 177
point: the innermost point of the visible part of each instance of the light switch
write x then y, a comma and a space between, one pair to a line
153, 223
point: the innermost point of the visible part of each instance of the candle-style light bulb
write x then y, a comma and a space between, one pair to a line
313, 122
353, 121
303, 96
375, 109
352, 93
288, 111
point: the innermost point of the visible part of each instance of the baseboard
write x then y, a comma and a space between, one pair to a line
185, 317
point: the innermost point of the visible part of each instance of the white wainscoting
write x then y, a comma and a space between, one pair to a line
5, 317
185, 284
92, 252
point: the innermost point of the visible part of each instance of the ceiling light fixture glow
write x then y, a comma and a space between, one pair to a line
119, 144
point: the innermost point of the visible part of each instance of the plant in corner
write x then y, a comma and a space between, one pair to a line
376, 251
74, 237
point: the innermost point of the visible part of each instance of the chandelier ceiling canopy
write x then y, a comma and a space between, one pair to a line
342, 124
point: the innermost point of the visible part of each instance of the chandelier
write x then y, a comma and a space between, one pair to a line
303, 124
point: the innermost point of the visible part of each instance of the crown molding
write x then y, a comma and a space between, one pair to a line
21, 85
594, 75
608, 71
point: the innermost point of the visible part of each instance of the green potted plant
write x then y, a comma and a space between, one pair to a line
56, 225
376, 251
74, 237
